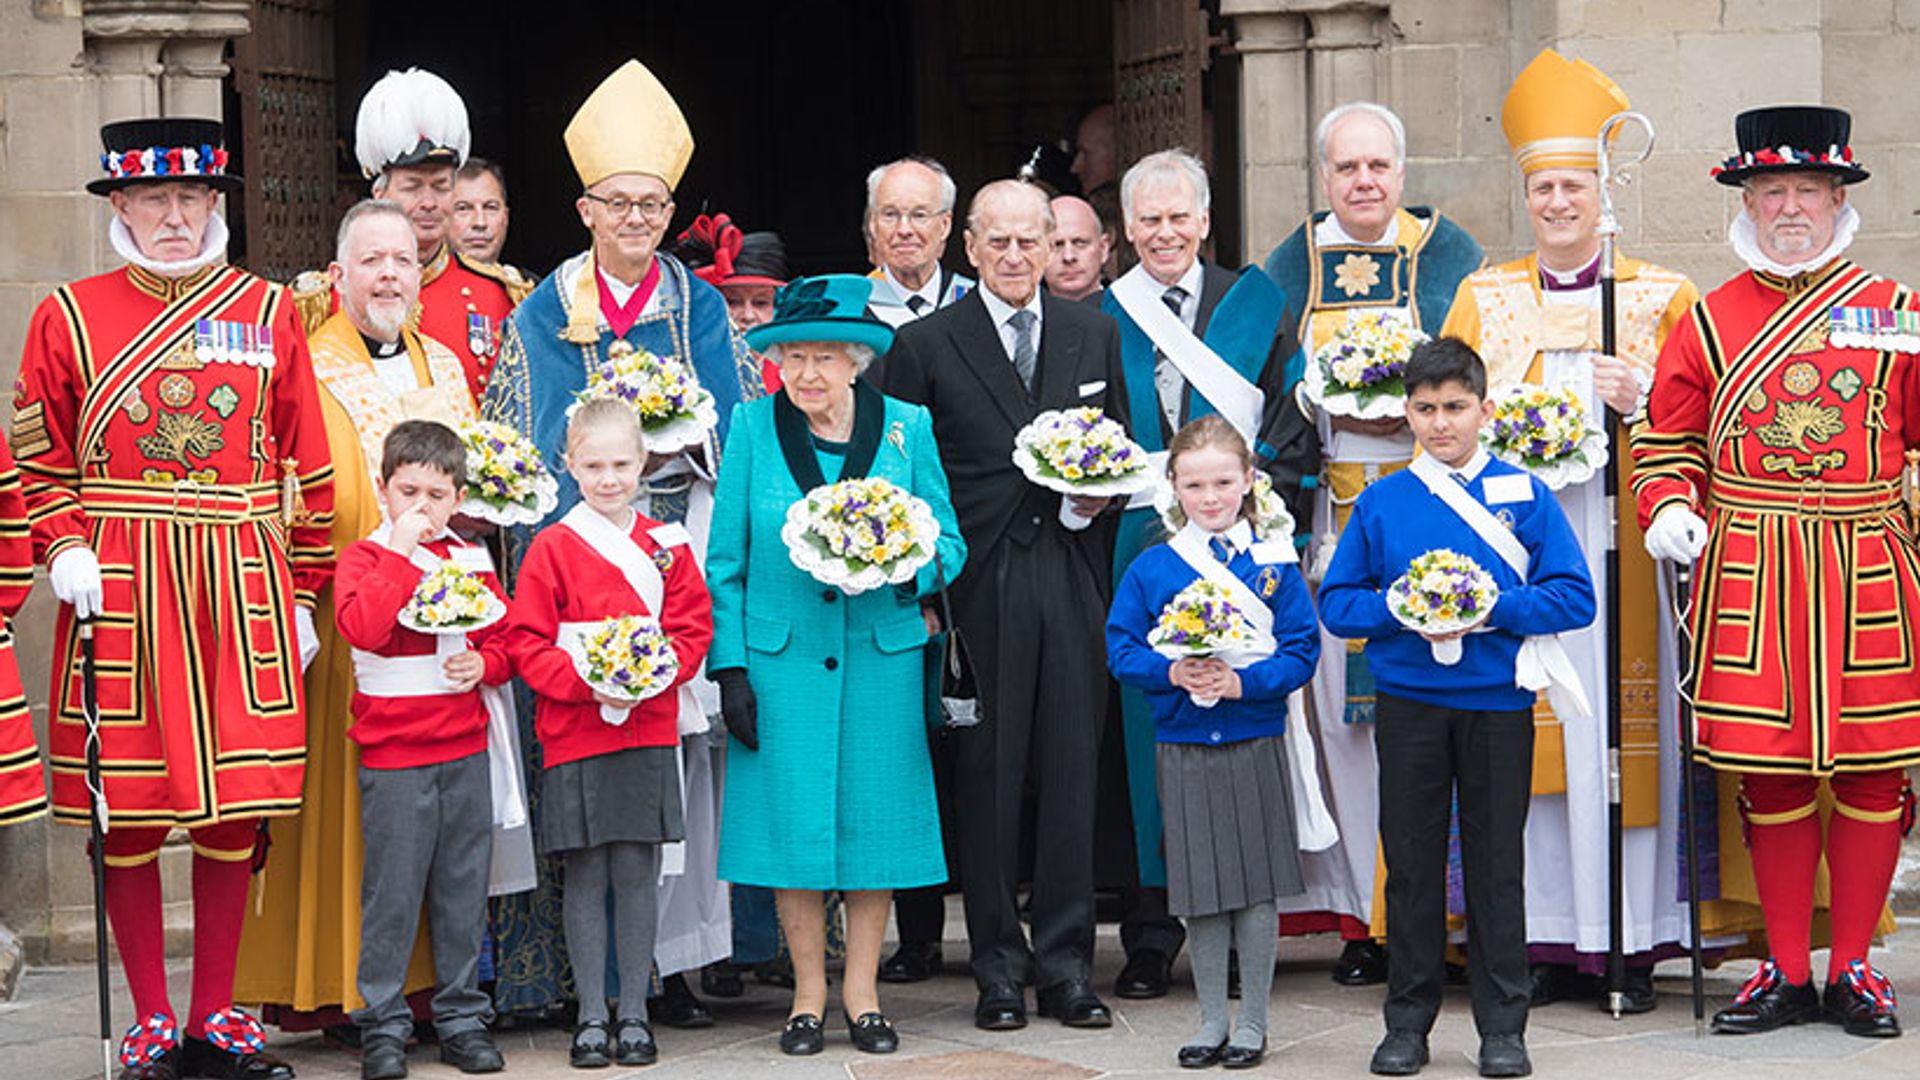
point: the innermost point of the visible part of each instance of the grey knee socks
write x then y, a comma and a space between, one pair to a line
1208, 938
634, 871
1256, 933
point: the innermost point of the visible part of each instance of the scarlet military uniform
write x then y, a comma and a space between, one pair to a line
1784, 407
23, 785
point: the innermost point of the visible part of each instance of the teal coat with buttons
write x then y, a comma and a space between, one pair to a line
840, 793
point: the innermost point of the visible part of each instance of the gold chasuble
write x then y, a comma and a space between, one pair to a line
1501, 312
300, 949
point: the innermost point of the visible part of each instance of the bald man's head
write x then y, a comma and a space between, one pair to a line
1080, 246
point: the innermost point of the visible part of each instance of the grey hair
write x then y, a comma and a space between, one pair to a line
1360, 108
948, 192
366, 208
996, 187
860, 353
1164, 164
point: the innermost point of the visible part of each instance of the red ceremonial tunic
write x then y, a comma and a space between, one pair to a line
563, 579
464, 306
371, 587
173, 426
23, 785
1792, 446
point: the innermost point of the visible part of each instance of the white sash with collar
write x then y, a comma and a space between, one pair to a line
1542, 663
1313, 824
1230, 394
511, 869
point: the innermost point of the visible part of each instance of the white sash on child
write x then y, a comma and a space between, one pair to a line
616, 545
511, 869
1311, 820
1542, 663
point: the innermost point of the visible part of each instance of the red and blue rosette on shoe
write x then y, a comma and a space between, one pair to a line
232, 1030
149, 1040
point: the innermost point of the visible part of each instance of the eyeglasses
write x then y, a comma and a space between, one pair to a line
652, 211
917, 217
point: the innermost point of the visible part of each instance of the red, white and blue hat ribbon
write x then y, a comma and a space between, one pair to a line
157, 162
1776, 156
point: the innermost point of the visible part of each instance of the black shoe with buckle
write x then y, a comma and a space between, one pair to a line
1146, 975
676, 1006
873, 1033
1074, 1004
592, 1046
1361, 963
633, 1043
1504, 1055
802, 1036
1862, 1002
1768, 1001
383, 1057
913, 961
1243, 1057
1401, 1053
1201, 1055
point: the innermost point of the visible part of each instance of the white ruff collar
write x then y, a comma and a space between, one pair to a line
213, 249
1746, 244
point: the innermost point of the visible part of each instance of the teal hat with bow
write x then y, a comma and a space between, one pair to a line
826, 307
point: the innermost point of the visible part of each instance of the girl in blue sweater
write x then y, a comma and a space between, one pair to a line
1225, 795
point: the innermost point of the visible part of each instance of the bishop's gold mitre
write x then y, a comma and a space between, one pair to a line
629, 124
1553, 113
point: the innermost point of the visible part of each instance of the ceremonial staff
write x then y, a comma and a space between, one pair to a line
1680, 593
97, 836
1608, 228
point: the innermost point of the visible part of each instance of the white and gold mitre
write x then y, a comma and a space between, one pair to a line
1553, 114
629, 124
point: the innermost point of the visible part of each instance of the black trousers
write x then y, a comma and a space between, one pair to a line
1033, 617
922, 913
1429, 754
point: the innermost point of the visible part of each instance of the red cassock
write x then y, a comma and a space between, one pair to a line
1792, 445
173, 425
23, 785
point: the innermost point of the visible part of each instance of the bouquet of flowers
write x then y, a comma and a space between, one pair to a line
451, 599
674, 411
1359, 371
627, 657
1442, 592
1272, 520
1202, 621
860, 534
1081, 451
1548, 432
507, 483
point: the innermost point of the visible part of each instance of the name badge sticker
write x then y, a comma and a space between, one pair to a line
1269, 552
1508, 488
671, 535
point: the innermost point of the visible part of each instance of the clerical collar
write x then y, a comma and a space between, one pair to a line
213, 249
1571, 280
383, 350
1746, 244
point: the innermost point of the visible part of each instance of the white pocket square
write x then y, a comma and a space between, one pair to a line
1088, 389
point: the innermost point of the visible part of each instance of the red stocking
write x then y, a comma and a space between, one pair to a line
222, 867
1863, 846
1783, 832
133, 907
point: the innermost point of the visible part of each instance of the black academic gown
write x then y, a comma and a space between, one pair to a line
1032, 603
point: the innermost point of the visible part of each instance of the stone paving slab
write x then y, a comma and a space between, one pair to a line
1319, 1030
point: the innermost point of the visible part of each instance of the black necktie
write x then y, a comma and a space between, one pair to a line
917, 304
1176, 299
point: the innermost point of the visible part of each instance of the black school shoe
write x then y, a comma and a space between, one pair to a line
592, 1046
1862, 1002
1504, 1055
472, 1052
1767, 1002
383, 1057
1401, 1053
633, 1043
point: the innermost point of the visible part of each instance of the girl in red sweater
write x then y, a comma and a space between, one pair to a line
610, 790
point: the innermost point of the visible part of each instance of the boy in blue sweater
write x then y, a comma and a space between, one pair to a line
1464, 728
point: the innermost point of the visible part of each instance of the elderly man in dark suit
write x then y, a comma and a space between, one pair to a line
1031, 602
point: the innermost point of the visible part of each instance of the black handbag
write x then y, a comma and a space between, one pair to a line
953, 701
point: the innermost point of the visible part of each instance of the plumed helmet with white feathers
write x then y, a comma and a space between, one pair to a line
411, 117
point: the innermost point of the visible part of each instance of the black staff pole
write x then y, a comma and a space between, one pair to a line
97, 836
1681, 588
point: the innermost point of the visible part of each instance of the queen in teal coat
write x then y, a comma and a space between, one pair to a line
829, 781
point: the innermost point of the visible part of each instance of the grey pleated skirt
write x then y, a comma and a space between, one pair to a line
1228, 817
632, 796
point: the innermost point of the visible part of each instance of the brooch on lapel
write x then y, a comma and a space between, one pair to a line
663, 559
897, 435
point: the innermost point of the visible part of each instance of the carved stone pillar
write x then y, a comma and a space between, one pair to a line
160, 57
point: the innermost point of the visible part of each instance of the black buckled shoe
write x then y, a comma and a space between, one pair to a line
633, 1043
1073, 1003
1002, 1007
676, 1006
198, 1057
1243, 1057
1200, 1055
592, 1046
1401, 1053
1768, 1001
1504, 1055
1862, 1002
802, 1036
150, 1050
873, 1033
912, 962
1146, 975
472, 1052
1361, 963
383, 1057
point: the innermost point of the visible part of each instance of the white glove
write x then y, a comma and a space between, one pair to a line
1677, 535
75, 576
309, 639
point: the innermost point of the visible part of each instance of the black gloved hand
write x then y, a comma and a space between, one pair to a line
739, 709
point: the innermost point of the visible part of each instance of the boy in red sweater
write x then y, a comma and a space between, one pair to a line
426, 804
